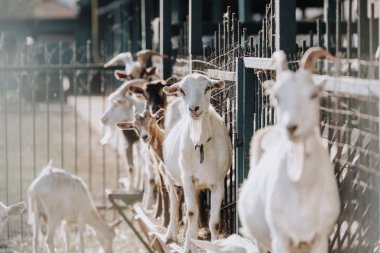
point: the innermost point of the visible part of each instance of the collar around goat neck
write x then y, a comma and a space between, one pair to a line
201, 150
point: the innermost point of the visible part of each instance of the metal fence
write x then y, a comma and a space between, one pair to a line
349, 110
51, 100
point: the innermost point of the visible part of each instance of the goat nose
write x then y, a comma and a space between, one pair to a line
144, 137
292, 128
193, 108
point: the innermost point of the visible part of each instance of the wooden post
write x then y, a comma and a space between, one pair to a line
146, 19
165, 35
286, 25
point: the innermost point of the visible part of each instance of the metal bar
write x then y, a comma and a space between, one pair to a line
6, 140
47, 106
20, 137
75, 84
363, 34
371, 41
285, 25
349, 34
130, 224
88, 56
60, 52
165, 35
146, 18
338, 37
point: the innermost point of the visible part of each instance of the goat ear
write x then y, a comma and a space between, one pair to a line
217, 84
125, 125
170, 81
16, 209
268, 85
171, 90
121, 75
150, 71
137, 90
159, 115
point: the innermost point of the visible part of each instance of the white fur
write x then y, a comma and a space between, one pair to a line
122, 107
183, 160
56, 196
9, 211
290, 198
232, 244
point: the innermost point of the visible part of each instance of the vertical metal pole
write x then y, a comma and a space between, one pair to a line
165, 35
349, 34
60, 52
6, 139
95, 29
146, 19
338, 37
286, 25
75, 84
88, 50
20, 136
363, 33
47, 90
195, 29
245, 11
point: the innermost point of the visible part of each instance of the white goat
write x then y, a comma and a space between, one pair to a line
122, 107
56, 196
197, 153
9, 211
232, 244
134, 69
290, 200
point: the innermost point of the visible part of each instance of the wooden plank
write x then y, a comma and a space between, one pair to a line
224, 75
155, 234
354, 86
259, 63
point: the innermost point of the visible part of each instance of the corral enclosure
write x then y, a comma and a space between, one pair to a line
52, 97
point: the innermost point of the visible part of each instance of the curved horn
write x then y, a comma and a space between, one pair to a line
280, 61
144, 55
312, 55
125, 86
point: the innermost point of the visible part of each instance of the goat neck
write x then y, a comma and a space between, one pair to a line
157, 140
200, 129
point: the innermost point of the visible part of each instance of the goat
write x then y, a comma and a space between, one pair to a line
134, 69
10, 211
232, 244
56, 196
197, 154
122, 107
290, 200
146, 126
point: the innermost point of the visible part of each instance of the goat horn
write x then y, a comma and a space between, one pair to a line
280, 61
312, 55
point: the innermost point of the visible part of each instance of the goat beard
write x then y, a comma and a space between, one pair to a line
199, 130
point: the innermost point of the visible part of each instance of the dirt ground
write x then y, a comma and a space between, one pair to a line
30, 137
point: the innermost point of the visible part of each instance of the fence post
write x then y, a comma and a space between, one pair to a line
165, 35
239, 150
248, 105
146, 18
286, 25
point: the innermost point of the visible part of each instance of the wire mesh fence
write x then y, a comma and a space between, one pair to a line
51, 100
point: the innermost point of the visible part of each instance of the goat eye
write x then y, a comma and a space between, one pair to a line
314, 95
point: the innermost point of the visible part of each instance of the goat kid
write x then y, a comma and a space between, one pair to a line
290, 200
197, 154
56, 196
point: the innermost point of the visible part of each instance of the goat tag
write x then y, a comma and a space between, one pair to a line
201, 152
